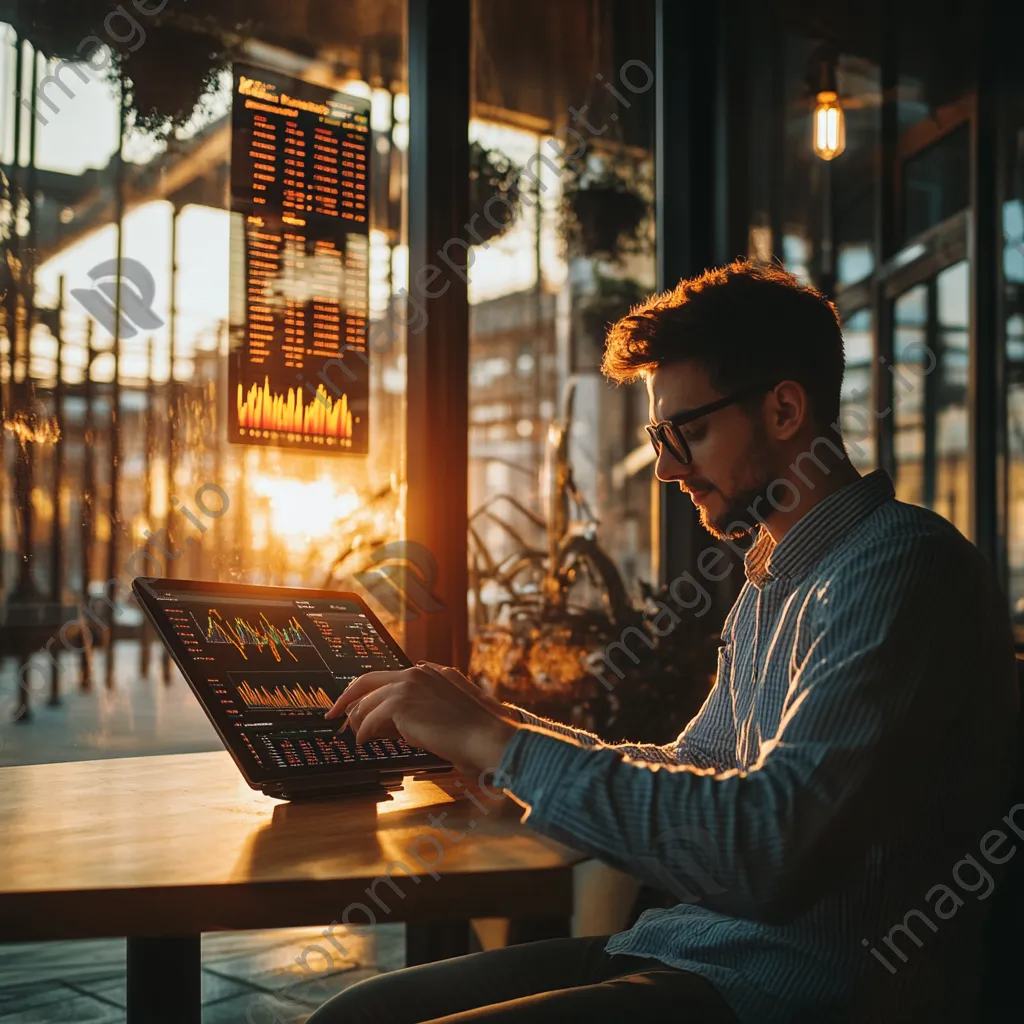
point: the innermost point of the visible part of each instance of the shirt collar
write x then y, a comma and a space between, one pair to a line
817, 531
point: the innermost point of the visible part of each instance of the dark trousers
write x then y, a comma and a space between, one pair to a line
554, 980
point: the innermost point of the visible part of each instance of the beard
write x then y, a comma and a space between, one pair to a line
735, 520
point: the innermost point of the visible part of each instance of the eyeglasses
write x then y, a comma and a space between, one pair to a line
666, 432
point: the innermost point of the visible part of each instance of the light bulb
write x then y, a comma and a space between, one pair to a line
829, 126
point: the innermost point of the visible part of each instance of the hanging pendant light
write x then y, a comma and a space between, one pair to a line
829, 122
829, 126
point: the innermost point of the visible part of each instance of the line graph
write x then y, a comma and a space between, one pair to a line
263, 635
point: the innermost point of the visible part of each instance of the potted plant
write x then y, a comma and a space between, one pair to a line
492, 173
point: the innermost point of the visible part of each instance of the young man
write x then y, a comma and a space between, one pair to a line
819, 812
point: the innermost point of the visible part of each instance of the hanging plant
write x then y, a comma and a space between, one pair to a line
169, 59
492, 174
170, 75
603, 214
59, 28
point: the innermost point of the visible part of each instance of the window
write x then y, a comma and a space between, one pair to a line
857, 416
936, 182
930, 377
1013, 300
123, 442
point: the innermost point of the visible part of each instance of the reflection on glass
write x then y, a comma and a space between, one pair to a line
909, 339
936, 182
817, 217
529, 302
859, 423
952, 429
1015, 450
930, 393
1013, 275
141, 418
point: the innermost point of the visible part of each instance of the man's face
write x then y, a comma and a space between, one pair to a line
732, 460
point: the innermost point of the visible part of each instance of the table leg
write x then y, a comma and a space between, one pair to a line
427, 941
165, 980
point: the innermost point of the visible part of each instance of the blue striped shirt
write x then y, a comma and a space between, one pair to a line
854, 747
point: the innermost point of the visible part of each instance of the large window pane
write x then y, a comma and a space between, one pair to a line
909, 342
559, 462
857, 416
103, 451
930, 383
936, 182
952, 424
818, 217
1013, 277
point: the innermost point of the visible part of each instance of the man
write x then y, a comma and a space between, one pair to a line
856, 743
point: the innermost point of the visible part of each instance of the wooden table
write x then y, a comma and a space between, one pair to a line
160, 849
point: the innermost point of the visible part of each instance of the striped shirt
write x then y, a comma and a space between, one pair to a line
854, 747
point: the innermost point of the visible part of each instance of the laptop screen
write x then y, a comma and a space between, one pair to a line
267, 662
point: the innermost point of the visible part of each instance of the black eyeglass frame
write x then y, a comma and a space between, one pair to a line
665, 432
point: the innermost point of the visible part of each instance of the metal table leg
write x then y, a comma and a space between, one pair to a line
165, 980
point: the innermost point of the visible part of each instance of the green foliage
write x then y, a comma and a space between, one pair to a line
167, 67
603, 215
492, 174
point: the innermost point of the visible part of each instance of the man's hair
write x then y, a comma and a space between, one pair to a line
744, 323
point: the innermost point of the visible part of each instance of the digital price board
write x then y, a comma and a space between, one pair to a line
300, 202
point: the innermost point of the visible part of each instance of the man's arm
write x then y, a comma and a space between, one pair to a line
708, 741
664, 754
873, 687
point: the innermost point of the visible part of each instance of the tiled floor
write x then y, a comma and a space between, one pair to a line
248, 977
84, 982
135, 716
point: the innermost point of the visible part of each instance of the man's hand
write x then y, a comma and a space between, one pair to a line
429, 706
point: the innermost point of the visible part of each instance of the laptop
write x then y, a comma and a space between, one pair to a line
265, 664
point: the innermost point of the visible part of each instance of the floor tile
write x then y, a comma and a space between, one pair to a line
72, 1008
215, 988
136, 716
72, 961
42, 982
36, 995
246, 1010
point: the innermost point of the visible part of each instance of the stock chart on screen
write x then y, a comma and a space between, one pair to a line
268, 670
300, 277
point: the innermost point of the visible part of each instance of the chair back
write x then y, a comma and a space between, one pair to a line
1004, 941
